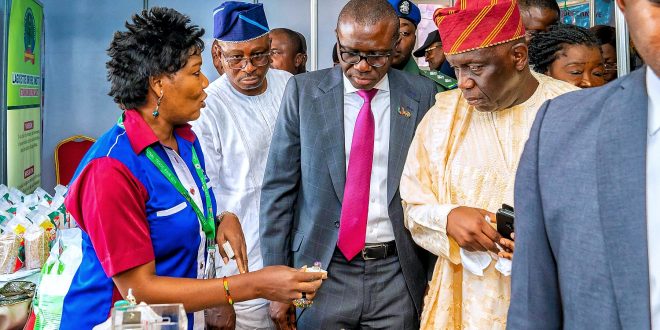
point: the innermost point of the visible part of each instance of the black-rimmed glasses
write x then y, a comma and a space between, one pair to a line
375, 60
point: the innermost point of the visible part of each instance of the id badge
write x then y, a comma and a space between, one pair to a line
209, 265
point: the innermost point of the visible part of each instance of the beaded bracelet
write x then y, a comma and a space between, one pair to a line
226, 285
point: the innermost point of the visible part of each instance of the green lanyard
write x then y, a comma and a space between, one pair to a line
207, 222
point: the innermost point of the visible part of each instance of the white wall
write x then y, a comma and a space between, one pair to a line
79, 32
75, 91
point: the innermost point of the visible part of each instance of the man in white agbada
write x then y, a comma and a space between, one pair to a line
235, 130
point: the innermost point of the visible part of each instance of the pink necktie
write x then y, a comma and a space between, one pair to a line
355, 206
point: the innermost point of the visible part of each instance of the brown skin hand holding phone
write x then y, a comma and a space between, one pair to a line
505, 226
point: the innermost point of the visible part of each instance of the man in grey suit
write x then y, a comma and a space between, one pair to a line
330, 191
587, 201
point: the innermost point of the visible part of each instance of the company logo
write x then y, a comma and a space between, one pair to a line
29, 36
28, 172
28, 125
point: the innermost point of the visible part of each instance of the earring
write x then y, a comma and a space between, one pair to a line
156, 113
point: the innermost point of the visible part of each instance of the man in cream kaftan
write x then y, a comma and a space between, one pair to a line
462, 162
461, 156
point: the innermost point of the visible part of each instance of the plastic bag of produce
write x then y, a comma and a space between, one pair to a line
10, 252
36, 246
56, 276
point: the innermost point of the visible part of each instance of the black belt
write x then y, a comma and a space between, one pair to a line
373, 251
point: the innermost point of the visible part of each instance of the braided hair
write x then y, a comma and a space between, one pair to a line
545, 46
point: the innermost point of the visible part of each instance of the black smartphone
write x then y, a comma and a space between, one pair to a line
505, 217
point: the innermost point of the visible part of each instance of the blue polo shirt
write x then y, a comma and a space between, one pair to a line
130, 215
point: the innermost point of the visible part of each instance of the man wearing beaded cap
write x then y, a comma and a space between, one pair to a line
235, 129
462, 162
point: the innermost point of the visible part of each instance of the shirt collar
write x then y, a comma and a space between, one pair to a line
653, 90
383, 85
140, 135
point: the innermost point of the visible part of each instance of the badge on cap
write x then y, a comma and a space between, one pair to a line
404, 7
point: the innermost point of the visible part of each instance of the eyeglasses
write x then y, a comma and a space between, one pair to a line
428, 50
375, 60
239, 62
610, 67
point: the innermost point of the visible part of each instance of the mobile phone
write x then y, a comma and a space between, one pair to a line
505, 217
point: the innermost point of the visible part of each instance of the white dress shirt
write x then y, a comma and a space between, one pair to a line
235, 131
653, 193
379, 226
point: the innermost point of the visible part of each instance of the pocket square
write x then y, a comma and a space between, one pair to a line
404, 112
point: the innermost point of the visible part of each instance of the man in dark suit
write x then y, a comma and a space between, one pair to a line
330, 190
587, 201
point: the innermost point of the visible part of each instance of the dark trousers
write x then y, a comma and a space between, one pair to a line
361, 294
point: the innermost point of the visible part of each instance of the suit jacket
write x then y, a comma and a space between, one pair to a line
581, 259
305, 175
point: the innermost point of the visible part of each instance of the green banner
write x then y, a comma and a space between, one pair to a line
24, 97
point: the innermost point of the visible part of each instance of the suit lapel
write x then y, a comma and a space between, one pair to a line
331, 105
621, 175
404, 106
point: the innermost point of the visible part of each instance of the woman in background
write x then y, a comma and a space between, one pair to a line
141, 196
569, 53
606, 36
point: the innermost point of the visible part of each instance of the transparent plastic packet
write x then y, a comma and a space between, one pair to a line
5, 205
40, 217
48, 220
10, 253
18, 224
31, 201
66, 221
16, 196
60, 190
36, 247
4, 193
44, 197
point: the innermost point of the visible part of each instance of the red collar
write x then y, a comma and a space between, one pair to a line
140, 135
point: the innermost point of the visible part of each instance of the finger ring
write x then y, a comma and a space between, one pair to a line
487, 218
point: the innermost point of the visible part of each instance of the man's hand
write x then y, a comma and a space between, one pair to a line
508, 245
230, 230
220, 318
467, 227
283, 314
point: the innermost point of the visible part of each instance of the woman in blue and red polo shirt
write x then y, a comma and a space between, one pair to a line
141, 196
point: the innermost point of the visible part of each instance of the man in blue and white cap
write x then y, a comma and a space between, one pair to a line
235, 130
409, 18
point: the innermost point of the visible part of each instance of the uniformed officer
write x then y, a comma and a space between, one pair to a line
439, 69
409, 17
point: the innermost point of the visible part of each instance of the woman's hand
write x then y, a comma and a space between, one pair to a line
508, 245
230, 230
284, 284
